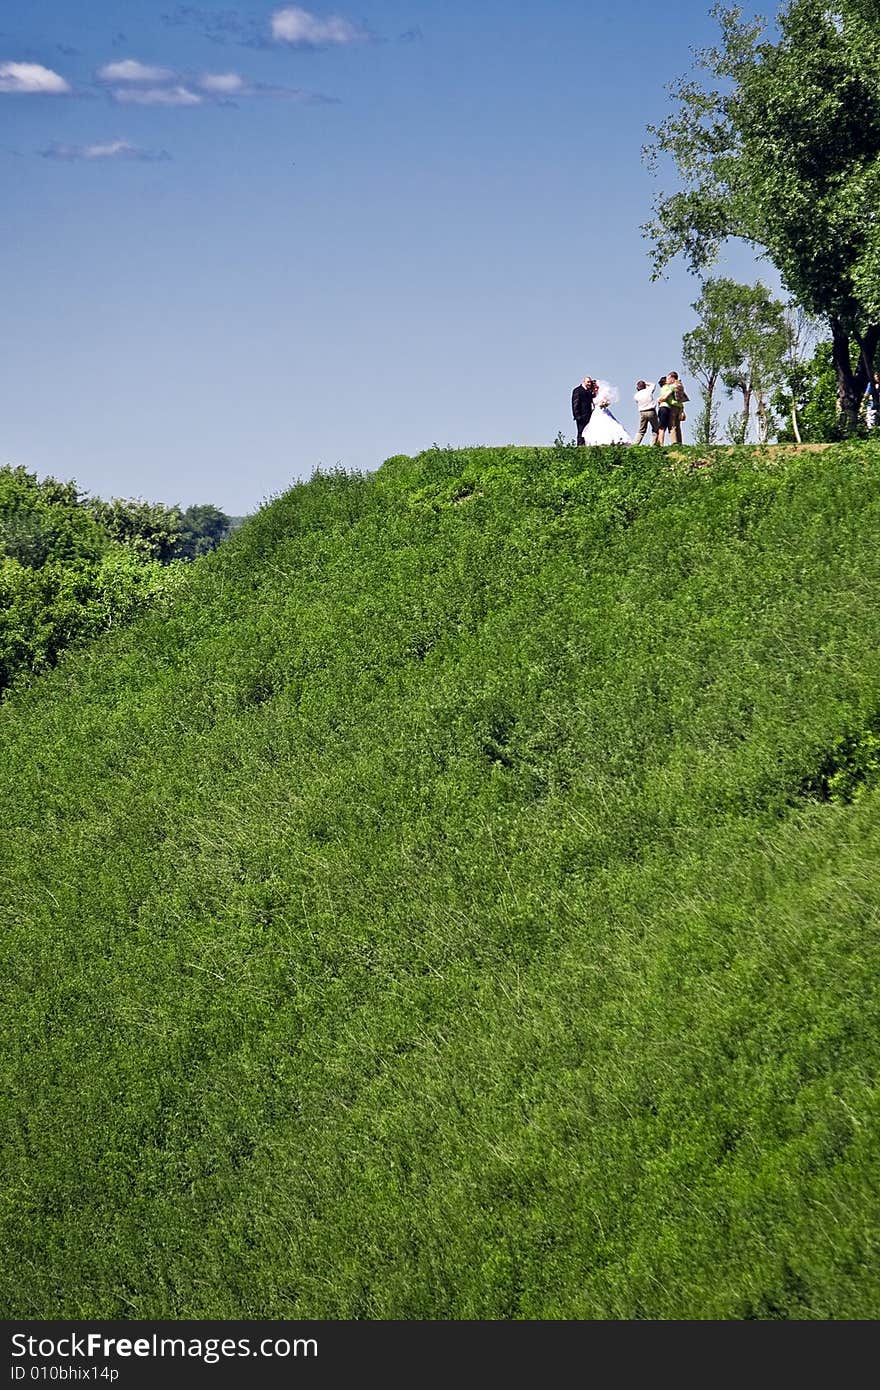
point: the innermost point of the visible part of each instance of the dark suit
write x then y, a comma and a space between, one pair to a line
581, 408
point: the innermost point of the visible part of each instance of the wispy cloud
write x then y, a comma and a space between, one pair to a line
145, 84
156, 96
290, 24
266, 89
130, 70
31, 77
220, 26
302, 28
131, 82
114, 149
227, 84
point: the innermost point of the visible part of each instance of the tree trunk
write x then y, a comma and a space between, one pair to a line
851, 384
711, 380
747, 411
794, 420
761, 416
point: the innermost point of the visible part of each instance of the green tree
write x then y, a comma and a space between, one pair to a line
800, 332
809, 399
43, 519
71, 567
151, 529
739, 340
44, 610
203, 527
782, 150
758, 339
709, 349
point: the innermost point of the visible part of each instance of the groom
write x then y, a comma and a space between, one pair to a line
582, 405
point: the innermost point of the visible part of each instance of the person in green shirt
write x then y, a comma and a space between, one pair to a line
676, 399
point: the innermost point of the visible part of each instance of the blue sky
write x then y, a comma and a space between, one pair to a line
240, 243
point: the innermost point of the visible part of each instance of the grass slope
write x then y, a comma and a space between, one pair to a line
461, 903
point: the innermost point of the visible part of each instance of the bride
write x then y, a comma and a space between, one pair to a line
603, 427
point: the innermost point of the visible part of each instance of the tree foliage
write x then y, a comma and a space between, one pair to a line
709, 349
151, 529
760, 340
811, 386
801, 331
202, 529
782, 149
73, 566
740, 341
39, 520
155, 531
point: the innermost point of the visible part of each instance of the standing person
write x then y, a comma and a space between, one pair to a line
603, 427
872, 402
666, 392
582, 405
676, 406
644, 399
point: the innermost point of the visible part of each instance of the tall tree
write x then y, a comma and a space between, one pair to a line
713, 347
800, 333
809, 398
782, 150
759, 339
740, 340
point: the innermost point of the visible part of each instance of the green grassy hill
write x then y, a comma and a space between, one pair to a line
461, 901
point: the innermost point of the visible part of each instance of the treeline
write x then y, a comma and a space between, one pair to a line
72, 566
771, 360
774, 141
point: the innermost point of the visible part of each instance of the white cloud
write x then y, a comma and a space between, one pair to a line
115, 149
130, 70
222, 83
31, 77
296, 26
157, 96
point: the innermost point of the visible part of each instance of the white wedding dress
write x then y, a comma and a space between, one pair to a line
604, 428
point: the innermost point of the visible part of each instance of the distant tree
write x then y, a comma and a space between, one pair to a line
203, 528
71, 567
809, 399
43, 519
740, 340
759, 340
782, 150
800, 331
45, 610
713, 347
151, 529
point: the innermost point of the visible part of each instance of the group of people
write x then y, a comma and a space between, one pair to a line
591, 402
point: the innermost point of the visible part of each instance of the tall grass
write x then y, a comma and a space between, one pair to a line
463, 903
